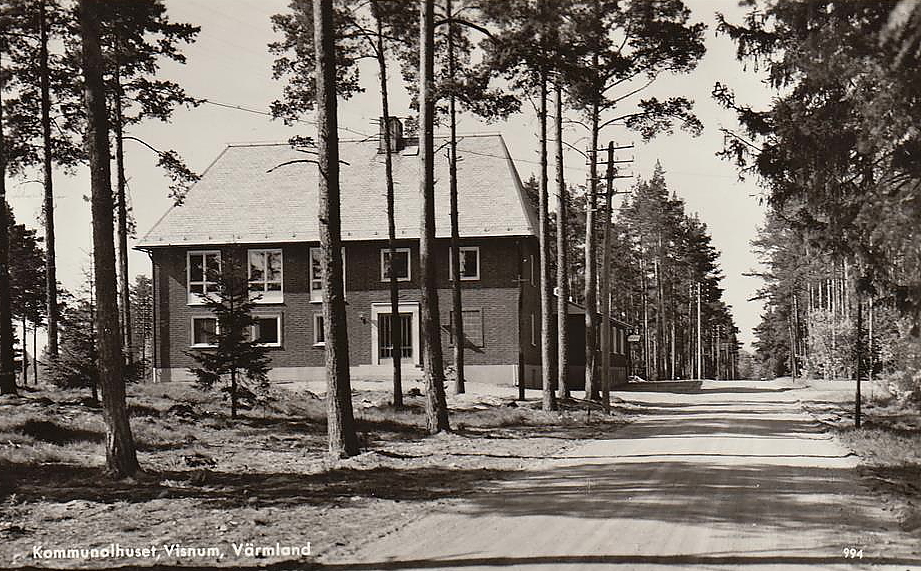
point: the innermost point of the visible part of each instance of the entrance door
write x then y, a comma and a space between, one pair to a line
385, 345
382, 346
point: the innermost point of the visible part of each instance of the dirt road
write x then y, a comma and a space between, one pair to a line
734, 476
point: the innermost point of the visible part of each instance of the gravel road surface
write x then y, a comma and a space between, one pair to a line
732, 476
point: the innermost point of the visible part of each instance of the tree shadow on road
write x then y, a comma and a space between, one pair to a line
687, 425
734, 561
795, 498
737, 389
628, 561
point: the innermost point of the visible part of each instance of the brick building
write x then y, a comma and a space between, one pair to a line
266, 217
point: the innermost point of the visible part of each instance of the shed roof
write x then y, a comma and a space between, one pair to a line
238, 201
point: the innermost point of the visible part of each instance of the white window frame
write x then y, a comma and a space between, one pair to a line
409, 264
316, 295
194, 298
318, 327
461, 251
192, 321
266, 296
533, 331
278, 326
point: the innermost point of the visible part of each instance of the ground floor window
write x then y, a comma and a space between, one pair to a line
204, 332
385, 344
319, 333
267, 330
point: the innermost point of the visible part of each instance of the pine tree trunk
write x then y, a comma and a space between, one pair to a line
233, 393
7, 364
645, 320
35, 354
436, 407
591, 304
688, 340
24, 372
660, 316
562, 256
123, 291
456, 298
546, 287
51, 280
121, 459
871, 358
396, 330
860, 357
343, 442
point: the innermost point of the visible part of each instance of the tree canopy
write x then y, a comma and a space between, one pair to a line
838, 150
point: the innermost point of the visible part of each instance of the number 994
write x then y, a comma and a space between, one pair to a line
853, 553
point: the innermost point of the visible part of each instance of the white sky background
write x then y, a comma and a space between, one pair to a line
230, 64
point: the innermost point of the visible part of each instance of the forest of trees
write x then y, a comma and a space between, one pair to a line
837, 153
660, 254
73, 77
117, 50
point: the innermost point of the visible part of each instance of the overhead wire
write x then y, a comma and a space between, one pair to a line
468, 151
267, 114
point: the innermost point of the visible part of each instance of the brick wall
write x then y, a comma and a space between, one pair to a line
495, 294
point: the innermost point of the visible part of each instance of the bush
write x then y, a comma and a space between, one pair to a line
77, 363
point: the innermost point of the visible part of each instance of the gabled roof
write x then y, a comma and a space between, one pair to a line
238, 201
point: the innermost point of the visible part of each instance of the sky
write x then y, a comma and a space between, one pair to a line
230, 66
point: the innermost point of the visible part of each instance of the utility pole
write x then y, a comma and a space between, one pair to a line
860, 361
610, 175
456, 300
700, 373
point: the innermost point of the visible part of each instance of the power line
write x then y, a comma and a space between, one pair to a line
267, 114
367, 136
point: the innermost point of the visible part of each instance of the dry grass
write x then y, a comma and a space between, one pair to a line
888, 442
885, 447
263, 477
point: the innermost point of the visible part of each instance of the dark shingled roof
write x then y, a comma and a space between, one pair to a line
238, 201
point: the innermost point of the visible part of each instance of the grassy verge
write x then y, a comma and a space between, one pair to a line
888, 443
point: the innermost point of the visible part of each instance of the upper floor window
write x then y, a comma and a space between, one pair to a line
316, 273
399, 265
469, 263
204, 270
265, 275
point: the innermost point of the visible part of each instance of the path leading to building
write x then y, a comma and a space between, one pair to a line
734, 476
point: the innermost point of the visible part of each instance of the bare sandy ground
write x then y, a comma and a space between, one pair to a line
734, 476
